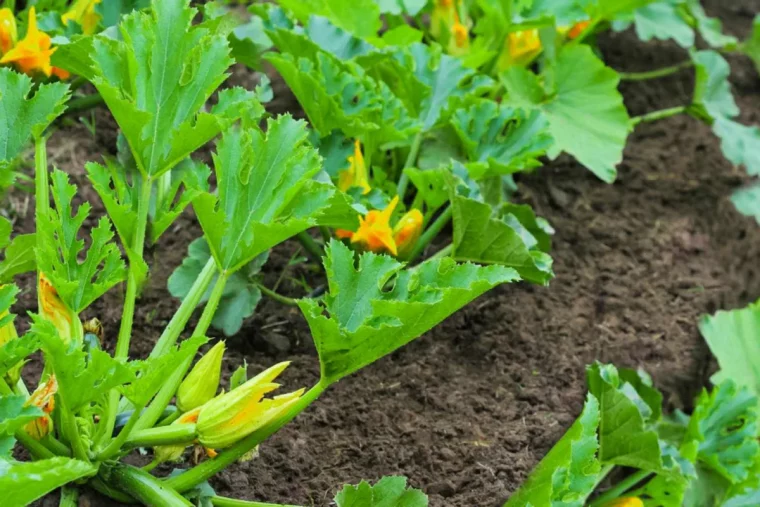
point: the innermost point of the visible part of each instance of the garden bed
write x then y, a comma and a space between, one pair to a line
468, 410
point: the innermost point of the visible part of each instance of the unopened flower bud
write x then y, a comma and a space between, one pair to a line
407, 231
201, 383
52, 308
43, 398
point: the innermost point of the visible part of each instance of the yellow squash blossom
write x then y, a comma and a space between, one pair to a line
43, 398
523, 45
8, 32
32, 53
443, 15
630, 501
374, 232
233, 416
164, 453
407, 231
578, 29
55, 310
460, 40
201, 383
357, 174
83, 13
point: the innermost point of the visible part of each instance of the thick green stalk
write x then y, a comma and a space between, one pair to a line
41, 185
137, 246
653, 74
221, 501
79, 104
621, 487
658, 115
101, 487
170, 335
430, 234
141, 485
163, 435
69, 496
213, 303
207, 469
70, 431
118, 441
403, 181
313, 250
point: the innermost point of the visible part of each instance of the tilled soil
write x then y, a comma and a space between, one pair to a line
466, 411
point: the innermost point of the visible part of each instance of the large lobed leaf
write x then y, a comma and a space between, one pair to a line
360, 320
59, 249
747, 201
156, 80
584, 110
24, 482
266, 192
14, 414
25, 115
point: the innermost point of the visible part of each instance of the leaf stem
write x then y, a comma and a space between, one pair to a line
620, 488
41, 185
163, 435
658, 115
193, 298
221, 501
277, 297
118, 441
71, 432
207, 469
141, 485
653, 74
84, 103
435, 228
403, 181
213, 303
312, 248
69, 496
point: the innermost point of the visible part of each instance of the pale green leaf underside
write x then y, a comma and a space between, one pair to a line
747, 201
24, 482
364, 322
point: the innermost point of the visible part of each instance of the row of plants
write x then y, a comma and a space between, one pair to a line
420, 113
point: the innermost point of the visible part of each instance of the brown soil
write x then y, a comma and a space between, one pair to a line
467, 410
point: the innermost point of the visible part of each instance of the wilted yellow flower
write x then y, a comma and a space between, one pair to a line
357, 174
201, 383
233, 416
629, 501
55, 310
375, 233
8, 32
43, 398
407, 231
83, 13
32, 53
7, 334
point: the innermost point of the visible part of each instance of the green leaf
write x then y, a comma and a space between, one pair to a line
431, 185
82, 377
712, 90
740, 143
709, 28
14, 414
188, 180
625, 437
484, 237
388, 491
111, 12
19, 257
24, 115
499, 139
241, 292
747, 201
569, 472
360, 17
585, 112
410, 7
663, 21
360, 321
266, 191
725, 424
152, 373
751, 47
156, 80
239, 376
78, 283
24, 482
15, 351
340, 95
734, 339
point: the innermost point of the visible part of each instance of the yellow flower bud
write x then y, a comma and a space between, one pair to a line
83, 13
520, 48
357, 174
55, 310
629, 501
8, 333
8, 31
233, 416
201, 383
43, 398
407, 231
